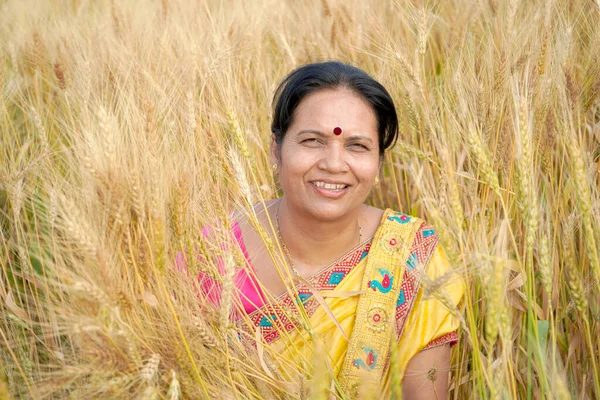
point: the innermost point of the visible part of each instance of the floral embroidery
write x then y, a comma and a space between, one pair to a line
377, 318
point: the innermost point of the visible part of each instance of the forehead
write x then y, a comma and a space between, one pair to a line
329, 108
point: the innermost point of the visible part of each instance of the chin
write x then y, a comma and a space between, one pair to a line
323, 209
329, 212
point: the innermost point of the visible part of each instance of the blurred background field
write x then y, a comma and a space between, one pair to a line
126, 126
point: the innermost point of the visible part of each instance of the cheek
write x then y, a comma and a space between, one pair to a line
367, 170
294, 166
295, 161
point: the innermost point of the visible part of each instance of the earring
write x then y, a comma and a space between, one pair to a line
274, 167
376, 180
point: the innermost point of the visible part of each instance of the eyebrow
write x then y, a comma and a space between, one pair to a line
319, 133
359, 137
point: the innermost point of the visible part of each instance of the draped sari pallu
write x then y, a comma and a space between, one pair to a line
361, 305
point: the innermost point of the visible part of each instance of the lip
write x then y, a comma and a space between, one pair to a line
330, 194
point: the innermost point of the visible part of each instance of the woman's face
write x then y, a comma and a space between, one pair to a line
323, 175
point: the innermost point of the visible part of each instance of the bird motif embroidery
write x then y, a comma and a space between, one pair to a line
370, 363
386, 283
400, 218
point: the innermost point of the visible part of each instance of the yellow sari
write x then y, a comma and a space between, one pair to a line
330, 301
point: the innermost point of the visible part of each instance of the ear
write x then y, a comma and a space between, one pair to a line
274, 151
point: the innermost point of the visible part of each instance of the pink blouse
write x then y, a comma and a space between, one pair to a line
246, 285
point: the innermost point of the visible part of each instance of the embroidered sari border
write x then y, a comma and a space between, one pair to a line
370, 337
450, 337
274, 317
421, 252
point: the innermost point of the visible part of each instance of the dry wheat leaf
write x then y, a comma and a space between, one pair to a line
516, 302
3, 288
317, 295
261, 353
513, 265
516, 283
150, 299
12, 306
574, 343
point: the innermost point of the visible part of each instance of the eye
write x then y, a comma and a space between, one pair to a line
359, 146
311, 142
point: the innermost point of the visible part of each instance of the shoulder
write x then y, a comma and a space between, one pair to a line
402, 217
422, 237
423, 229
250, 235
247, 218
375, 218
371, 218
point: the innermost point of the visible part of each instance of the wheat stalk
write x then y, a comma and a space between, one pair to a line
488, 174
240, 176
227, 294
409, 71
423, 26
174, 392
158, 231
42, 134
495, 286
545, 261
584, 196
525, 176
542, 54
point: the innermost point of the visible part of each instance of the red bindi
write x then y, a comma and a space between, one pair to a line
337, 130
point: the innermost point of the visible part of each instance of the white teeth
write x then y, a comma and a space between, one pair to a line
330, 186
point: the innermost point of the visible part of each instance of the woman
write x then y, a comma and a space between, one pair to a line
351, 273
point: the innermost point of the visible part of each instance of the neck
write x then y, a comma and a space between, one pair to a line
312, 243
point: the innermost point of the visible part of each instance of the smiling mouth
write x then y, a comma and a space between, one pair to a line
335, 187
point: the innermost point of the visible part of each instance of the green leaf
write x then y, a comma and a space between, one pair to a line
543, 327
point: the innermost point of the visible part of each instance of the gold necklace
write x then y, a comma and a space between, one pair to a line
285, 249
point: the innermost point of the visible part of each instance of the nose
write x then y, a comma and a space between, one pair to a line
334, 159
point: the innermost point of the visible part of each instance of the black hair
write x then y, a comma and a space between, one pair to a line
332, 75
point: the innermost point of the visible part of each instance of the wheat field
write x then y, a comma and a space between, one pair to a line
127, 126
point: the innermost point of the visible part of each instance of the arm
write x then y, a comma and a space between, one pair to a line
429, 331
426, 375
